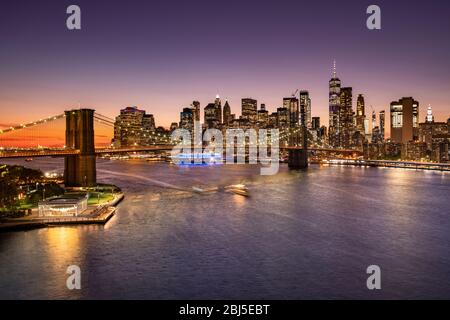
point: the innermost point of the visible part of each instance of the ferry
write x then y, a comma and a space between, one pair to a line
240, 192
238, 189
237, 186
196, 159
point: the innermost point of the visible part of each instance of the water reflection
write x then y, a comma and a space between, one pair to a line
63, 244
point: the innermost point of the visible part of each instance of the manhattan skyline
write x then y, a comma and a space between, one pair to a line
253, 152
160, 57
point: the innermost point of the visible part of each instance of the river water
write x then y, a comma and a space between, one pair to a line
301, 235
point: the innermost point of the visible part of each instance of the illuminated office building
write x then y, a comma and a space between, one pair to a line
196, 109
334, 106
360, 114
345, 117
305, 108
404, 120
382, 116
250, 110
227, 114
187, 119
291, 104
263, 117
133, 127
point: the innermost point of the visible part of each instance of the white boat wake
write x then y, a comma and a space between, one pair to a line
155, 182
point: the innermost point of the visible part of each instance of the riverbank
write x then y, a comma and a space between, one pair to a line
100, 215
388, 164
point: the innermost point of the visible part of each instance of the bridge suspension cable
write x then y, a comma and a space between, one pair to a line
31, 124
43, 133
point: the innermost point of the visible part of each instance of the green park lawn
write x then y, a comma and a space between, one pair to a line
99, 198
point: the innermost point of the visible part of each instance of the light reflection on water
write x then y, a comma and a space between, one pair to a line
300, 235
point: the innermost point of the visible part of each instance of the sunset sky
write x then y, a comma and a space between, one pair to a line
161, 55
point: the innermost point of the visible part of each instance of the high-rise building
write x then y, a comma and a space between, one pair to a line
218, 106
250, 110
404, 114
436, 136
282, 118
367, 128
227, 113
316, 123
291, 104
187, 119
211, 116
415, 121
133, 127
263, 116
374, 120
305, 108
148, 122
273, 120
346, 117
196, 110
334, 106
316, 130
376, 134
382, 125
360, 113
430, 117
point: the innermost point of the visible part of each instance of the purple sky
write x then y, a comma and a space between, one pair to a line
161, 55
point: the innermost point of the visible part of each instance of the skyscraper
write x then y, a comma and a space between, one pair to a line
346, 117
282, 118
404, 113
133, 127
211, 116
375, 129
316, 123
429, 117
305, 107
360, 114
367, 128
374, 119
263, 117
250, 110
218, 106
148, 122
291, 104
187, 119
334, 106
196, 110
273, 120
226, 113
415, 121
382, 125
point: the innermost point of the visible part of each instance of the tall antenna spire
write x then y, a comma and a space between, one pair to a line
334, 68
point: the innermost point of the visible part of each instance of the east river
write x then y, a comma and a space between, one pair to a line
300, 235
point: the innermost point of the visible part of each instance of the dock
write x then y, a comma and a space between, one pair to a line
100, 215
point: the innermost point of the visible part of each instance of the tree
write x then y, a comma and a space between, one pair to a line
8, 192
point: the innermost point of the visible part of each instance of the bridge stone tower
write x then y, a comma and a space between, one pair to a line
80, 170
298, 158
